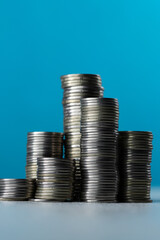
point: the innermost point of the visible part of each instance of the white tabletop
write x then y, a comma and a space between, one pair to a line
54, 221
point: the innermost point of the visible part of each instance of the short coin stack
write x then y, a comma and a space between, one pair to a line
76, 87
42, 144
135, 154
99, 129
16, 189
55, 180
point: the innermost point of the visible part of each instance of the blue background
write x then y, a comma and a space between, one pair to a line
42, 40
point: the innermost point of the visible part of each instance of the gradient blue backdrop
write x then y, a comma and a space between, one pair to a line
41, 40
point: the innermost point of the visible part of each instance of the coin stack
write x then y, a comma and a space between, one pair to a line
99, 129
55, 179
76, 87
42, 144
134, 164
16, 189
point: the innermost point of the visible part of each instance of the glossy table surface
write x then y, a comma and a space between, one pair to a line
54, 221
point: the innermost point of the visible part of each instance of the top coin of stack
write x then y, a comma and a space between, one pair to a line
42, 144
135, 155
76, 87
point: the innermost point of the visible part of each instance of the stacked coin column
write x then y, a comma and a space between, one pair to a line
42, 144
16, 189
99, 129
134, 159
76, 87
55, 180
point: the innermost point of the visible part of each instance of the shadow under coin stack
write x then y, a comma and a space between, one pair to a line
16, 189
135, 155
99, 129
76, 87
55, 180
42, 144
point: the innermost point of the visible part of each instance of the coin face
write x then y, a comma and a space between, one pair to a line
134, 158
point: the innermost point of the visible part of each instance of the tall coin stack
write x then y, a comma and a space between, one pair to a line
76, 87
135, 155
99, 129
55, 180
42, 144
16, 189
